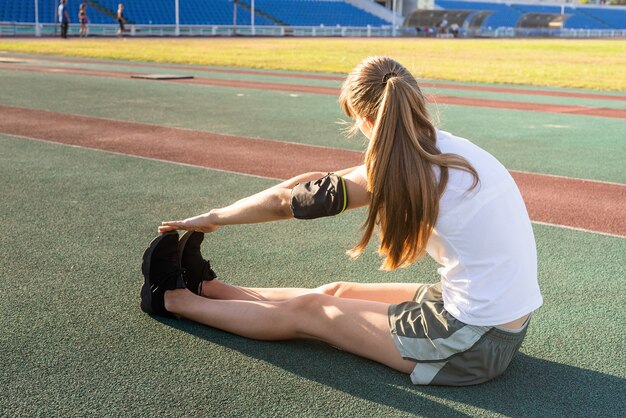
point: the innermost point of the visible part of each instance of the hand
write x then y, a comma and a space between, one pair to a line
199, 223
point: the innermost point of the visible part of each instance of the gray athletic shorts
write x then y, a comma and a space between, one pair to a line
448, 351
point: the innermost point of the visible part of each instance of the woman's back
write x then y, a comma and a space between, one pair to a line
484, 241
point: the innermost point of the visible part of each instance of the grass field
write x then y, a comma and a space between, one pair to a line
77, 218
589, 64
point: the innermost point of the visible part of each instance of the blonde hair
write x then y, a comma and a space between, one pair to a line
399, 160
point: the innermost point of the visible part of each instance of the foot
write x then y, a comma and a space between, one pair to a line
162, 272
197, 269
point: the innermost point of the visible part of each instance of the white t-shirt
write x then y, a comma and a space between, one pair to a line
484, 242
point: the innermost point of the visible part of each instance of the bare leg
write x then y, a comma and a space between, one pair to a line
216, 289
378, 292
359, 327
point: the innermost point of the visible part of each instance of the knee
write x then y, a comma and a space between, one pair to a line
308, 313
334, 289
309, 304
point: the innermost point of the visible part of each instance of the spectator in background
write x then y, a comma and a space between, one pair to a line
120, 19
64, 18
425, 31
443, 26
60, 12
82, 18
454, 30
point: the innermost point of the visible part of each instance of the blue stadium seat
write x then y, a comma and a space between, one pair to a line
611, 17
575, 21
202, 12
316, 13
503, 16
507, 15
298, 13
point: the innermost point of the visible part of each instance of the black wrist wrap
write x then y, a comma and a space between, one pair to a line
323, 197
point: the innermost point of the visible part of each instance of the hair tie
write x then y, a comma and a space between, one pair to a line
388, 76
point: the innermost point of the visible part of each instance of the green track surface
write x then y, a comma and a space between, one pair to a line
75, 343
187, 70
528, 98
560, 144
77, 221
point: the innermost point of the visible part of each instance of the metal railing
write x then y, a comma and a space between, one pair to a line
16, 29
51, 29
552, 33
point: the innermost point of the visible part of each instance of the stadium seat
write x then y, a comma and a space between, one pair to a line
507, 14
204, 12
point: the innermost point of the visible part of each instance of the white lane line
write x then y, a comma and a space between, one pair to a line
568, 178
579, 229
141, 157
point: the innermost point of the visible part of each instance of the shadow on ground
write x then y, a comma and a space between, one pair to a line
530, 387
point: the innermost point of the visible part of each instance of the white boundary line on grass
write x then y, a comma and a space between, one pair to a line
262, 177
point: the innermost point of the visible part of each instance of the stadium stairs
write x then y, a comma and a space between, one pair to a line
110, 13
317, 13
259, 12
613, 18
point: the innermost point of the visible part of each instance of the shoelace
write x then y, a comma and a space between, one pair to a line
175, 273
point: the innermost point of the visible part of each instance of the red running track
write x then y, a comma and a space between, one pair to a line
590, 205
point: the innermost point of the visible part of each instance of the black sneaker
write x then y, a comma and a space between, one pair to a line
161, 270
196, 268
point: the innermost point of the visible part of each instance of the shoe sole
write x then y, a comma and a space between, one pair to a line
182, 242
146, 293
181, 245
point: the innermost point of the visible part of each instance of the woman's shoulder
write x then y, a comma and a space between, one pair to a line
447, 140
450, 143
490, 170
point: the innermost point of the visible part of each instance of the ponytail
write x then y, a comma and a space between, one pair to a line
402, 152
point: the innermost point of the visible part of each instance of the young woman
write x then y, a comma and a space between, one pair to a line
427, 192
82, 17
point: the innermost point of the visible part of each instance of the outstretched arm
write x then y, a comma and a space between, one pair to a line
270, 205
